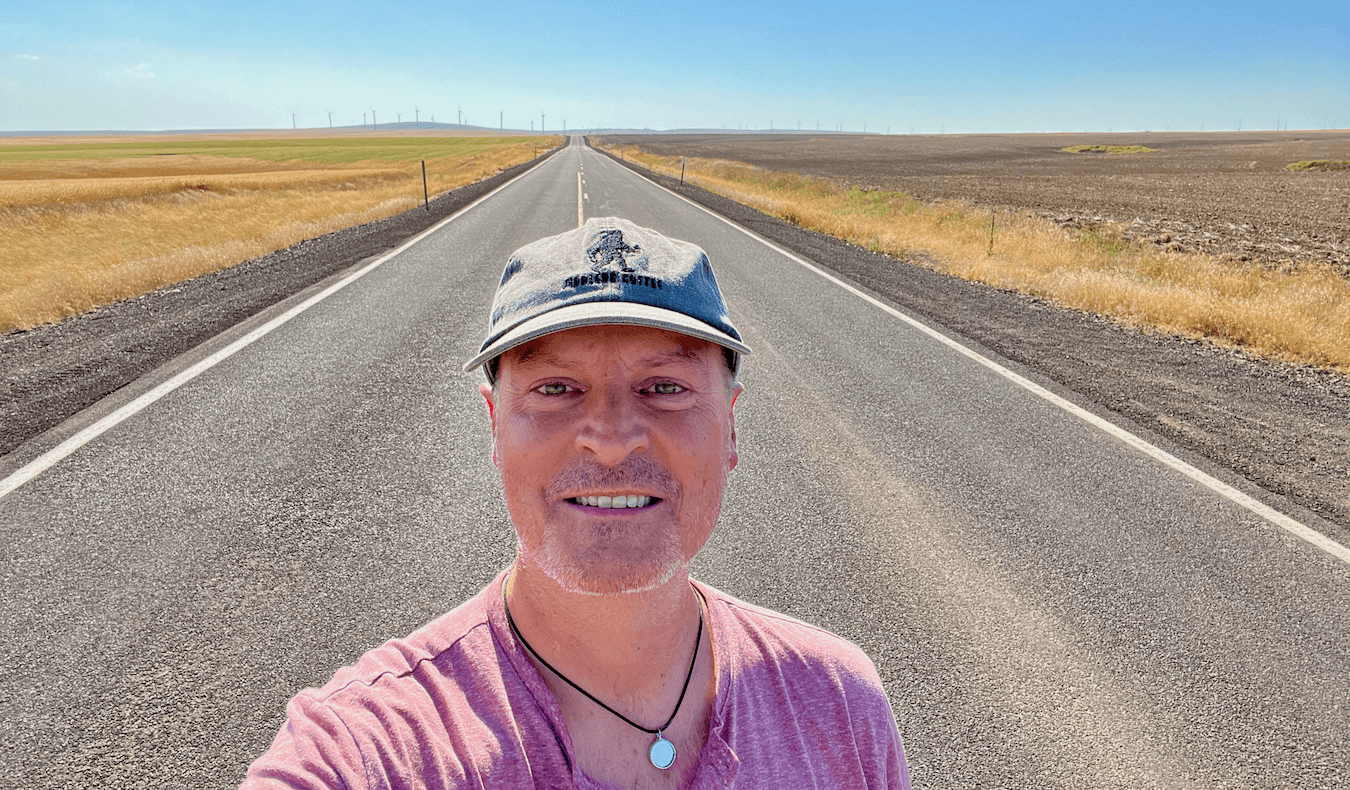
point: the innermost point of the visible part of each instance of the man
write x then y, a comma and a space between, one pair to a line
594, 661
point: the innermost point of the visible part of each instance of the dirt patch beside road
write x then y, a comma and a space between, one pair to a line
1285, 427
1218, 193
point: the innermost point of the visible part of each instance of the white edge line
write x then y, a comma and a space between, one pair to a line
54, 456
1290, 525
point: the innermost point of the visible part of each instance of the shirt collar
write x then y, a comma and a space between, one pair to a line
717, 763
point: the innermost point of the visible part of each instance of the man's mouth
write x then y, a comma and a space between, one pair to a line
614, 502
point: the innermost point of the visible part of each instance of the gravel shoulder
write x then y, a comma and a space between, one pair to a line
1284, 427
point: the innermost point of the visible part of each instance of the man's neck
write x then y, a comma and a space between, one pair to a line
633, 652
624, 648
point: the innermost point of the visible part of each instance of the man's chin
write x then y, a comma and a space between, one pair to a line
609, 577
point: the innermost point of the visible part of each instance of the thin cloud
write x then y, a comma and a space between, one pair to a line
142, 71
27, 57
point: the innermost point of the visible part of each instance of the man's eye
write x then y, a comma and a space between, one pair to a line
667, 388
553, 388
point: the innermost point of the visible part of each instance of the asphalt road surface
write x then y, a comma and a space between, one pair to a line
1048, 606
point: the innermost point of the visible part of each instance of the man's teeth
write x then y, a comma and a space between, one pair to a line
631, 500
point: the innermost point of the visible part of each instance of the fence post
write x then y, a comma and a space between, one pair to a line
681, 171
426, 199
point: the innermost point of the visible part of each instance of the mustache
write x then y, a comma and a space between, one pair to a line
634, 472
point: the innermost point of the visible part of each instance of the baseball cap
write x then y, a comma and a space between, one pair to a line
608, 271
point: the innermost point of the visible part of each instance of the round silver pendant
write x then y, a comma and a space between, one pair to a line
662, 753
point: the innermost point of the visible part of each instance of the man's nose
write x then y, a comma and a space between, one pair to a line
613, 429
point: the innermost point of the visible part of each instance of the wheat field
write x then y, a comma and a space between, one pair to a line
88, 223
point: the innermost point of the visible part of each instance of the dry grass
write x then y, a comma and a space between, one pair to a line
1325, 165
79, 232
1108, 149
81, 193
1300, 313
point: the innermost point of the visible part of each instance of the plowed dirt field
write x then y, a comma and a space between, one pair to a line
1218, 192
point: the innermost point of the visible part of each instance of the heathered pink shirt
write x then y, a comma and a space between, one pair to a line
459, 705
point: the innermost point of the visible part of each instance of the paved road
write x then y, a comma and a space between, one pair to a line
1048, 606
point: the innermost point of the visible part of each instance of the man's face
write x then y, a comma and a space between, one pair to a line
614, 444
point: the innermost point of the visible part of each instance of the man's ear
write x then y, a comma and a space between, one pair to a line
489, 395
733, 457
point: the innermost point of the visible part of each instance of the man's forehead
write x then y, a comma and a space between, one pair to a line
648, 346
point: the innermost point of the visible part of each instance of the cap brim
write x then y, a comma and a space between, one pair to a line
599, 313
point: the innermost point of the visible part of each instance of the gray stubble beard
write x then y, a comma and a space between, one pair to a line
580, 569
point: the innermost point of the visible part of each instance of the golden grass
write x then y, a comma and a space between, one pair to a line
1108, 149
1300, 313
95, 231
1324, 165
70, 192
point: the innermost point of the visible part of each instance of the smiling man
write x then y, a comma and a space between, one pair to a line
594, 660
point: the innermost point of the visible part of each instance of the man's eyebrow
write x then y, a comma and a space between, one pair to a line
534, 353
685, 355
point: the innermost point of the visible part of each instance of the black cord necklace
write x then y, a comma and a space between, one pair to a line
662, 751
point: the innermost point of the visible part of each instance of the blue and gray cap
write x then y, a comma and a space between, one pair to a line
608, 271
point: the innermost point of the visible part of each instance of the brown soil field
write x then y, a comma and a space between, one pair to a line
1213, 192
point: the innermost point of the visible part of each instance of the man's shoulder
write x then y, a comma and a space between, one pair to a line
759, 637
445, 706
463, 630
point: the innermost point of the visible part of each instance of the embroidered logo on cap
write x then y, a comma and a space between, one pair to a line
609, 247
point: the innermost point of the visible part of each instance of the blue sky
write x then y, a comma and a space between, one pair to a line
954, 67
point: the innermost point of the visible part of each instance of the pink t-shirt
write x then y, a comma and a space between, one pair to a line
459, 705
